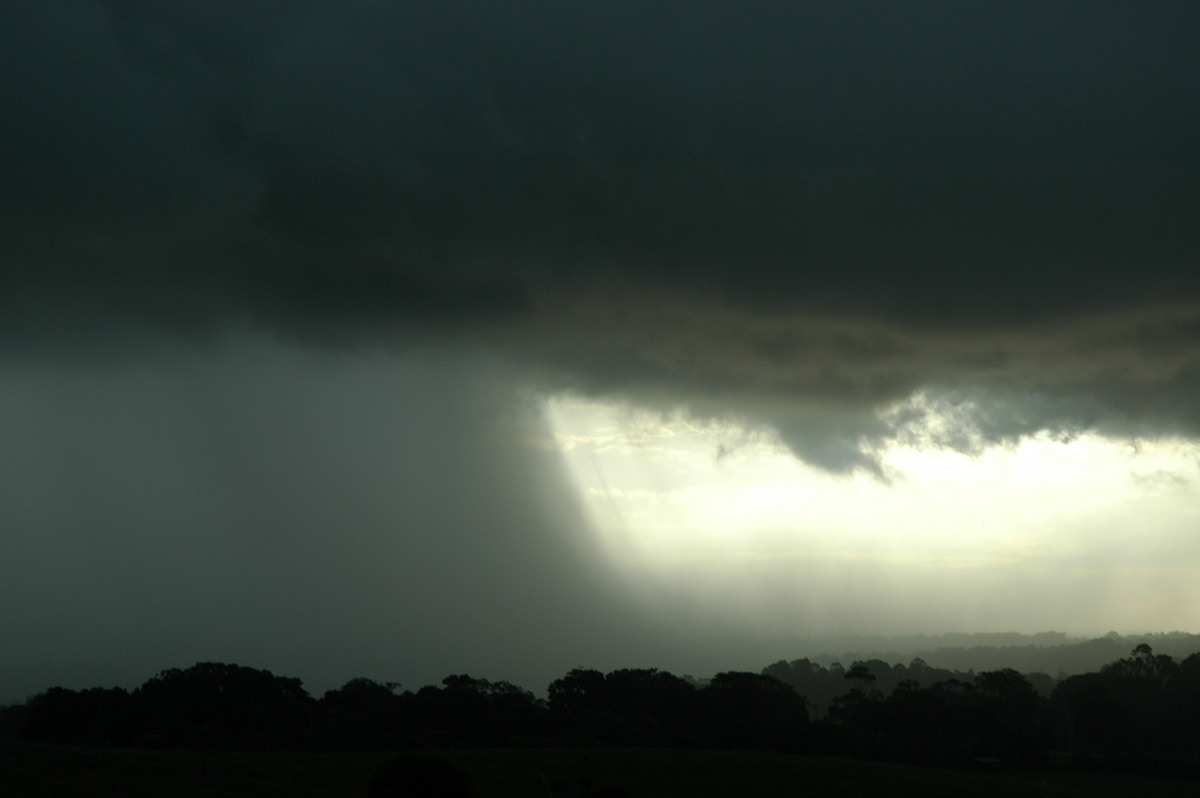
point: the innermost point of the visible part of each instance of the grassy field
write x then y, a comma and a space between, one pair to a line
50, 771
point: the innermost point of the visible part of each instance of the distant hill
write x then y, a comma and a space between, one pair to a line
1052, 653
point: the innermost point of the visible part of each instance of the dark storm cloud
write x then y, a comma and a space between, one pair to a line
805, 215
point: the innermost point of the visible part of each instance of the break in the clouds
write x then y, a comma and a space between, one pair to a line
800, 214
281, 283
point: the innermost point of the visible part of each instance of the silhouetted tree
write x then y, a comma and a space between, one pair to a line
920, 726
861, 676
1094, 721
631, 706
653, 707
580, 690
363, 715
1007, 717
1144, 664
215, 705
13, 721
1130, 713
477, 712
95, 716
753, 710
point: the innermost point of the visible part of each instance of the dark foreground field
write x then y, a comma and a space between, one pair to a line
49, 771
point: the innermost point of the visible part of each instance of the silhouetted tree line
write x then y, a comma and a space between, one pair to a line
1139, 713
822, 686
1046, 652
219, 706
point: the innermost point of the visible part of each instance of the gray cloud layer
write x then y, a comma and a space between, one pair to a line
803, 214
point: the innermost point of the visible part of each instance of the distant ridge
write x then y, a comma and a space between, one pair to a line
1055, 653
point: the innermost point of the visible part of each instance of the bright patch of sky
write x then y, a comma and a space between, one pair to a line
1101, 533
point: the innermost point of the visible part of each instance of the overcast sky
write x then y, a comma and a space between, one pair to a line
308, 310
